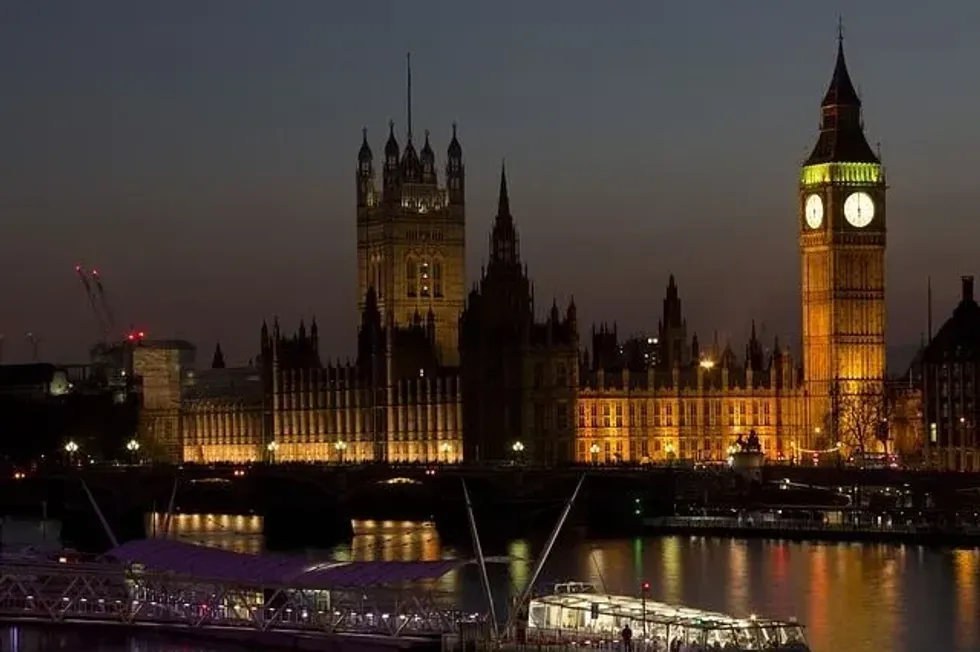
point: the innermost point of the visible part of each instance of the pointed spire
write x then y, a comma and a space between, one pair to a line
455, 149
503, 200
218, 361
408, 63
842, 136
364, 155
391, 147
841, 91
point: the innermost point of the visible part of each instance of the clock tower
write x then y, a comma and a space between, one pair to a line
842, 248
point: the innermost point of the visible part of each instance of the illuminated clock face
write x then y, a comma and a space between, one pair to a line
859, 209
813, 211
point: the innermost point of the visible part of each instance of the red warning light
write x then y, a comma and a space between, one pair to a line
130, 337
141, 335
646, 586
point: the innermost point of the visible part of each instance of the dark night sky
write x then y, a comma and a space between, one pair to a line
202, 152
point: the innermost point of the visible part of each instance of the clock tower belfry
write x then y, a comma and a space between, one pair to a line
842, 249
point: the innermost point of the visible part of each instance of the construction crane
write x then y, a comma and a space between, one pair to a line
103, 300
35, 343
95, 293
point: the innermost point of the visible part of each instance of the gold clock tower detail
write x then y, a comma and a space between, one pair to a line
842, 246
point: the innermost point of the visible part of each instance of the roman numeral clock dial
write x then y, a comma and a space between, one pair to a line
859, 209
813, 211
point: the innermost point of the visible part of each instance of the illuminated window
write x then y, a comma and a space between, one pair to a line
437, 279
581, 415
606, 416
424, 280
411, 278
643, 414
619, 415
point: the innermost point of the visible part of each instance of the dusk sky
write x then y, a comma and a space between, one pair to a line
201, 153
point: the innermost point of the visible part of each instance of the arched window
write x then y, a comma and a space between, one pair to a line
437, 279
411, 278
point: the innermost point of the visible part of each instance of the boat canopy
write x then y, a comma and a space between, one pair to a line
598, 616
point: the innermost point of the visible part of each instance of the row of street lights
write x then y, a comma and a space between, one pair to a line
72, 447
273, 446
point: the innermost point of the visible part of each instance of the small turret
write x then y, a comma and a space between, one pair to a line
411, 166
391, 172
365, 173
455, 172
428, 160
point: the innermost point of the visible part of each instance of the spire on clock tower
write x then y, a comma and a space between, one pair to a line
842, 137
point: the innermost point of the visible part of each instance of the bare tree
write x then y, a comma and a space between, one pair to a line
860, 418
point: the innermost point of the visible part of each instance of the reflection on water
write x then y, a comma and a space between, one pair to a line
853, 598
236, 532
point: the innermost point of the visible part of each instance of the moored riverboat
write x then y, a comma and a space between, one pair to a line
576, 614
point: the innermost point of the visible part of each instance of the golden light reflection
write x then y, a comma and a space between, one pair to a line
739, 599
392, 541
819, 600
235, 532
519, 566
671, 569
965, 568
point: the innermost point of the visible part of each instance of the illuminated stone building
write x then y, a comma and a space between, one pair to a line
411, 237
437, 380
161, 368
842, 246
519, 375
393, 404
694, 405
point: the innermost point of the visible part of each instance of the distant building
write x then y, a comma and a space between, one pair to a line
951, 388
33, 381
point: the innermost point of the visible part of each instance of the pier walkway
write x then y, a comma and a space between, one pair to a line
173, 586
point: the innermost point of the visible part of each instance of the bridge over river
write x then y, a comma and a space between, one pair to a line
507, 498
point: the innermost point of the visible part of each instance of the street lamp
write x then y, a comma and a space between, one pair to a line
594, 449
341, 446
71, 448
445, 448
272, 447
133, 447
707, 363
518, 448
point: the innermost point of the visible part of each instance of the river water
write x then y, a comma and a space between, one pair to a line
851, 597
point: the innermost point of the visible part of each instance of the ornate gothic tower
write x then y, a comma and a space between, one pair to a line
411, 238
842, 246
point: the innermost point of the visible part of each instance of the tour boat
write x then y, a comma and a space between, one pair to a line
575, 613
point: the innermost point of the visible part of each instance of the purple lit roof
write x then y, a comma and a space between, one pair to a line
164, 555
